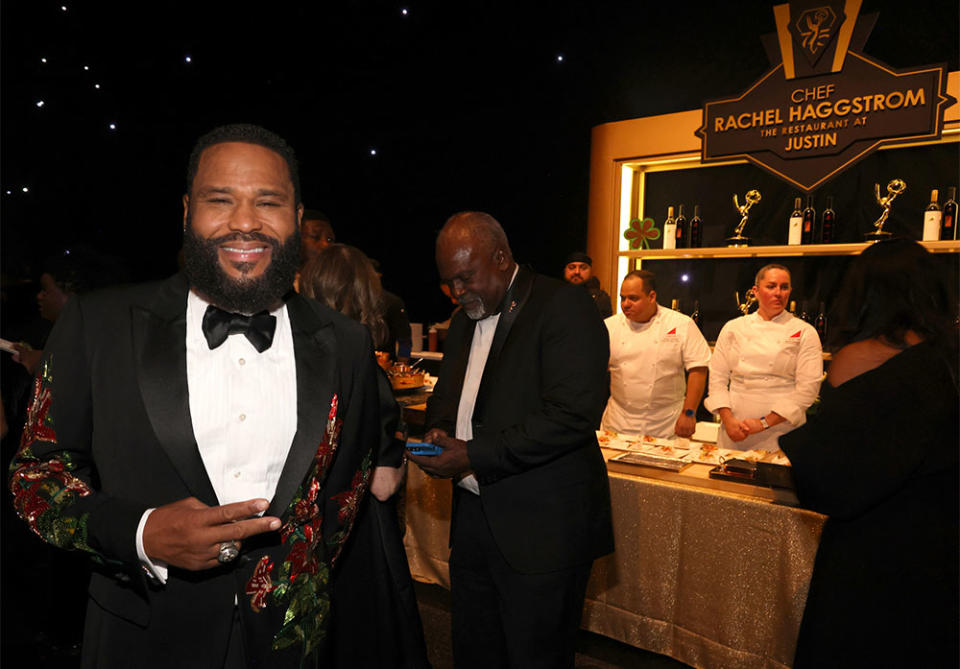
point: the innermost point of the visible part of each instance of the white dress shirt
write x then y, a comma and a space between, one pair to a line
479, 352
243, 407
761, 366
647, 365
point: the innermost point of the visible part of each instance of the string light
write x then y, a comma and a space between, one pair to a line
25, 189
559, 57
187, 59
97, 86
43, 60
9, 192
404, 11
373, 152
40, 103
63, 8
684, 277
86, 68
112, 126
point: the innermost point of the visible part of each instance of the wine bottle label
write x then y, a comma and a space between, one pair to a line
931, 225
670, 235
795, 230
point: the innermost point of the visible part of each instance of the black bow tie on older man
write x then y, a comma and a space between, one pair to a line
219, 324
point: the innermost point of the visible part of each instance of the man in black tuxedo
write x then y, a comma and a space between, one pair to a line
520, 393
207, 439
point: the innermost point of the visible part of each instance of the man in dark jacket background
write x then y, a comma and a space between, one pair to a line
578, 270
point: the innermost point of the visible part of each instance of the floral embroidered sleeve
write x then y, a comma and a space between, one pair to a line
43, 488
52, 476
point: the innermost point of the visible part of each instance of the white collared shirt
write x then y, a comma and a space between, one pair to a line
647, 365
243, 408
479, 352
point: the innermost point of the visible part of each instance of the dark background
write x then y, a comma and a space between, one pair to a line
465, 103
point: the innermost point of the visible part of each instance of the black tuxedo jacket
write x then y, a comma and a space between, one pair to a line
543, 480
109, 435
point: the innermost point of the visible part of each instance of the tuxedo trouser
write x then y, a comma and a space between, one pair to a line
501, 617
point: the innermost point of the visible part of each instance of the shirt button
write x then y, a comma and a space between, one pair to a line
241, 362
236, 475
243, 417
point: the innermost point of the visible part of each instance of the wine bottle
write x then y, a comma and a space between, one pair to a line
669, 231
796, 223
793, 307
948, 227
821, 324
809, 223
932, 217
696, 229
682, 232
675, 304
695, 316
828, 223
804, 315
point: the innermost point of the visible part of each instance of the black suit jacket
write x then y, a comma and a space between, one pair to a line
543, 480
109, 435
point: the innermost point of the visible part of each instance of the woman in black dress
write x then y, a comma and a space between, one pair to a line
880, 458
373, 567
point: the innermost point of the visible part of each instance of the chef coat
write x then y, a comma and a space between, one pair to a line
761, 366
647, 364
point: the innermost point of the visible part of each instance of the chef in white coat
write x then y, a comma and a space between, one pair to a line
650, 349
766, 369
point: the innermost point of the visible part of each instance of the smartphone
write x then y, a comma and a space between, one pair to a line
423, 448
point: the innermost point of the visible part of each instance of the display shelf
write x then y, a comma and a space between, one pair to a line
774, 251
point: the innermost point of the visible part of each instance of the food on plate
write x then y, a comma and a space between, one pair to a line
780, 458
604, 436
404, 377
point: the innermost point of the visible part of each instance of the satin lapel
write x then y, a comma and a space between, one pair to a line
159, 348
460, 356
315, 350
513, 303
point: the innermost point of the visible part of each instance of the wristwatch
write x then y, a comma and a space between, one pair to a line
689, 413
763, 421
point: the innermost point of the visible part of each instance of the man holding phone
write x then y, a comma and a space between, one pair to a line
520, 394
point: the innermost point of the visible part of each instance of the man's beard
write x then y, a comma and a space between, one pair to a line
201, 264
476, 310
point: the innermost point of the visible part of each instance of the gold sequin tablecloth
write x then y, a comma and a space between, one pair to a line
708, 577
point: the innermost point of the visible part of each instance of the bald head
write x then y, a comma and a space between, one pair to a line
475, 261
475, 228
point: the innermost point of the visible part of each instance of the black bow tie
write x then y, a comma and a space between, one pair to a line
219, 324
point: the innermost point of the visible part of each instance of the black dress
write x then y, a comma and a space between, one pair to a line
880, 458
375, 622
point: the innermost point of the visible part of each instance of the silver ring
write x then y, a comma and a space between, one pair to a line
229, 550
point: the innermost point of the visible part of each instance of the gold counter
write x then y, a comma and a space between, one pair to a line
711, 577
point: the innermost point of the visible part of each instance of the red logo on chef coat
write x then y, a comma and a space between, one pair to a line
795, 334
673, 331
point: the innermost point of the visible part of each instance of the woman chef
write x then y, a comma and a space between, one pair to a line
765, 370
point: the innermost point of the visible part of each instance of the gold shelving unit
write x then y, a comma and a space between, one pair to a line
772, 251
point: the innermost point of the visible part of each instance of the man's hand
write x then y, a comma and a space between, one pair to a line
686, 425
188, 533
449, 464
